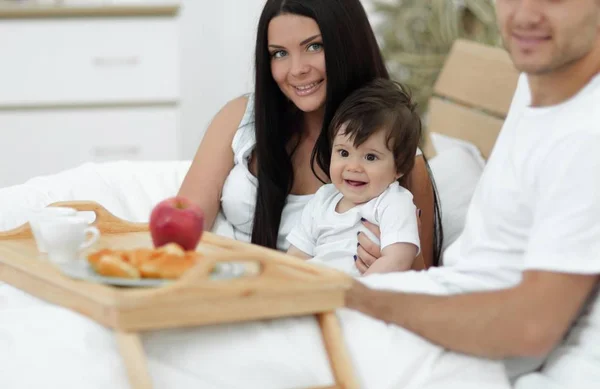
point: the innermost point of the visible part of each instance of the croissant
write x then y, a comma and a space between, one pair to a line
166, 262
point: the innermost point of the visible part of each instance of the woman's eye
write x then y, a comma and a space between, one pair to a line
371, 157
315, 47
278, 54
343, 153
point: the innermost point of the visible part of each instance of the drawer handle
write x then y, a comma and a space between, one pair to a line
116, 151
114, 62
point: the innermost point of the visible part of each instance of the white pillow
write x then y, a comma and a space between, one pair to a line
456, 169
128, 189
443, 143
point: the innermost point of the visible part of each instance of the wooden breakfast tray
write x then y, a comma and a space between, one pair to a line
277, 286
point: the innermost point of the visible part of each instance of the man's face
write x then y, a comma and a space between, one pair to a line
544, 36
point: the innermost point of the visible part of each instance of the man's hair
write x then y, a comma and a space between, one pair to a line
381, 105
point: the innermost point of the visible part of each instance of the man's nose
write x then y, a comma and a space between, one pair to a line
527, 13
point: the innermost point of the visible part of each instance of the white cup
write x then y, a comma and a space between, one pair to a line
38, 215
66, 236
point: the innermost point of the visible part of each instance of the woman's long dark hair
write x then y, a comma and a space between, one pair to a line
352, 59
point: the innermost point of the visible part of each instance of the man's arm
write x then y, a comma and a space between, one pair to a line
527, 320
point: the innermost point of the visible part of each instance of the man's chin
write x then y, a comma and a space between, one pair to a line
532, 68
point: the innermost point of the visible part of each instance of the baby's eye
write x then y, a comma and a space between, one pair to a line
371, 157
278, 54
343, 153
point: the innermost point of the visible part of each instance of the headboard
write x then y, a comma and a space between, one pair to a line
472, 95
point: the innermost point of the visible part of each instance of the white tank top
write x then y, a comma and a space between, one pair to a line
239, 192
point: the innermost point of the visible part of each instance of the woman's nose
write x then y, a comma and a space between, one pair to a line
299, 66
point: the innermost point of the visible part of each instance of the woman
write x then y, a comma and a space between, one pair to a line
264, 155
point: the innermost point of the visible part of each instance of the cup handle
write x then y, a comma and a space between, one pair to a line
95, 234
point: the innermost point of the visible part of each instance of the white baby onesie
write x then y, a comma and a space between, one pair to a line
330, 237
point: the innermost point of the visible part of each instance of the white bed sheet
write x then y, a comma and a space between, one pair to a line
47, 346
44, 346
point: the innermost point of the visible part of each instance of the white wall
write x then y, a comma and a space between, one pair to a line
217, 43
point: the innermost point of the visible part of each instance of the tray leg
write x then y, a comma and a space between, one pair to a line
336, 350
133, 355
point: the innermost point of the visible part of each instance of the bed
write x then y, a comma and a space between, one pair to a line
472, 96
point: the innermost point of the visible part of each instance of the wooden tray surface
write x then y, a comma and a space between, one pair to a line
277, 285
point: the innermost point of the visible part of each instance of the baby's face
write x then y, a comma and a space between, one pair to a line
364, 172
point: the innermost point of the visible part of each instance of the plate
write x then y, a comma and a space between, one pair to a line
81, 270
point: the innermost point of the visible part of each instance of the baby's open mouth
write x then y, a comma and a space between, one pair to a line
355, 183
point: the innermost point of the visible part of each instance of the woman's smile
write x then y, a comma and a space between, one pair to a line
307, 89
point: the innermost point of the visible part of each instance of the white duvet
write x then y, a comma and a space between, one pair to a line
44, 346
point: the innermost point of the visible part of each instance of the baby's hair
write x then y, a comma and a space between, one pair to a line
381, 105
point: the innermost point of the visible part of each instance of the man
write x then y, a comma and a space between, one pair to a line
534, 221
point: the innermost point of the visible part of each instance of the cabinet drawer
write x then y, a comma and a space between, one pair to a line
46, 142
88, 61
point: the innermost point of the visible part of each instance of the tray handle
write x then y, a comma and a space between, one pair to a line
105, 221
279, 270
263, 252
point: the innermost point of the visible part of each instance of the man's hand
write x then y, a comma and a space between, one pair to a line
358, 297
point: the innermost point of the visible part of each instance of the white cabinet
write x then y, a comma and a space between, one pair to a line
87, 61
75, 90
45, 142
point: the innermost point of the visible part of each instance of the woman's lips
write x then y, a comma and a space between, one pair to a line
308, 89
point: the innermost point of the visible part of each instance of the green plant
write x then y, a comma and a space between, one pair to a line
415, 37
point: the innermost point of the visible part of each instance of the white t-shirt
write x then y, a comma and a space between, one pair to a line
331, 237
537, 207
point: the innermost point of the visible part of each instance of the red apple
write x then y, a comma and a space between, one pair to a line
177, 220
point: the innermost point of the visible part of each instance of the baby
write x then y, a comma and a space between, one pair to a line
375, 135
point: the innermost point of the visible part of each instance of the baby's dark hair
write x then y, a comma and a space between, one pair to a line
381, 105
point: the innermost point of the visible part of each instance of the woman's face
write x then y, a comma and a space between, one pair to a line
298, 60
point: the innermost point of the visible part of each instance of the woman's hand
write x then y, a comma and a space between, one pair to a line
368, 252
